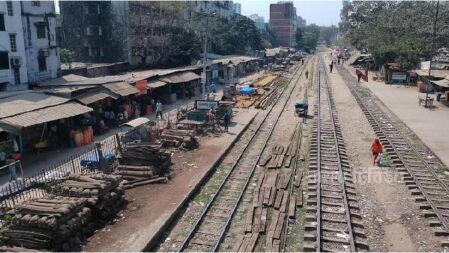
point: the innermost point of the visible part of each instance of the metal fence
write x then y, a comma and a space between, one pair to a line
30, 187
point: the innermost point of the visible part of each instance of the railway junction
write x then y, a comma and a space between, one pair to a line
280, 180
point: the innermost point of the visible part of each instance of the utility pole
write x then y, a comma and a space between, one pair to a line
432, 52
203, 88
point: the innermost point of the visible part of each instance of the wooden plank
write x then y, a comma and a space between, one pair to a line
298, 178
292, 207
271, 230
245, 242
279, 226
238, 243
276, 245
272, 196
257, 219
265, 161
277, 203
252, 242
288, 161
261, 180
287, 150
299, 198
280, 150
283, 207
280, 161
268, 244
263, 220
249, 219
261, 193
266, 196
256, 198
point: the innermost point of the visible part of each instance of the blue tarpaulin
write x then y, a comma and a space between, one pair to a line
247, 90
93, 161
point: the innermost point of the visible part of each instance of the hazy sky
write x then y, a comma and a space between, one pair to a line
324, 13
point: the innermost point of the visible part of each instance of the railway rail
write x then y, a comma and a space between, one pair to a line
332, 221
209, 228
422, 171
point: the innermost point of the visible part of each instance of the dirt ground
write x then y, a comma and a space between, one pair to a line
149, 206
393, 221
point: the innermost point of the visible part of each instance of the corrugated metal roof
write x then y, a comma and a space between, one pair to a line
121, 88
439, 73
443, 83
95, 95
156, 84
67, 91
45, 115
27, 102
137, 122
181, 77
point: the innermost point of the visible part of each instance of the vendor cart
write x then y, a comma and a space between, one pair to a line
301, 109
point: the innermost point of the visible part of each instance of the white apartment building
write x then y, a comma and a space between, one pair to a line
39, 29
13, 65
28, 49
237, 8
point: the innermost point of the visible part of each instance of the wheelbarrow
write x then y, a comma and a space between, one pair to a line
301, 109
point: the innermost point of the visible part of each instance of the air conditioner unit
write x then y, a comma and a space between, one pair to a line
16, 61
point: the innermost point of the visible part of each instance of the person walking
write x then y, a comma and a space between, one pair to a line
331, 66
302, 61
377, 150
159, 109
226, 120
307, 74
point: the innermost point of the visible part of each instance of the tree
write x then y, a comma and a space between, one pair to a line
399, 31
311, 34
67, 56
298, 37
268, 35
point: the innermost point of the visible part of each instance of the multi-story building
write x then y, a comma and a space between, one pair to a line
283, 22
87, 30
13, 64
39, 31
259, 21
300, 22
237, 8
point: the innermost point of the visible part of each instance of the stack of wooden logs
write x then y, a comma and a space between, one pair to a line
266, 99
141, 164
104, 192
280, 156
48, 223
183, 139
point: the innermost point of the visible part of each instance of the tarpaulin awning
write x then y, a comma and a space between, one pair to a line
44, 115
442, 83
180, 77
95, 95
121, 88
136, 122
156, 84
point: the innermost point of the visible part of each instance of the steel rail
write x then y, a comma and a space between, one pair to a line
340, 168
192, 232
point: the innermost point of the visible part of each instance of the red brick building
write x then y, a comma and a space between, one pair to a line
283, 22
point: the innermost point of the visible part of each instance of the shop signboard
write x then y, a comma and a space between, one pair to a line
142, 86
399, 76
206, 104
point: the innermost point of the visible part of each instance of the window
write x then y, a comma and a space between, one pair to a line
16, 75
40, 30
9, 7
42, 61
4, 60
36, 3
2, 22
12, 41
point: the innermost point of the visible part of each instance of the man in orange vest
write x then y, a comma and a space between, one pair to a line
377, 150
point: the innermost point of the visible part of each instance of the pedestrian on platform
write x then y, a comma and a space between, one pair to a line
302, 61
307, 74
377, 150
226, 120
331, 66
159, 109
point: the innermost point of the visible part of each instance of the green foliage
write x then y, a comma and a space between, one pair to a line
328, 34
310, 37
268, 35
66, 56
396, 31
298, 37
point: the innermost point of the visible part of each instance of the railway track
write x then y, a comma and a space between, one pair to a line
422, 171
332, 220
225, 189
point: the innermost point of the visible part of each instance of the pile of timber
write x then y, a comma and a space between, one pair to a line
183, 139
280, 156
48, 223
266, 99
104, 192
141, 164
